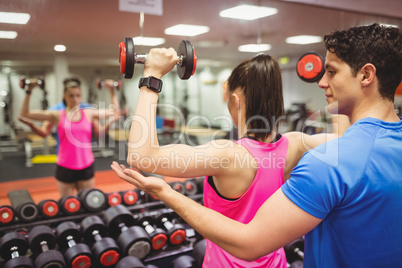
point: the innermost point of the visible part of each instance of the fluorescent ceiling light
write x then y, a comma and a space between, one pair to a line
15, 18
248, 12
60, 48
8, 34
303, 39
255, 48
148, 41
186, 30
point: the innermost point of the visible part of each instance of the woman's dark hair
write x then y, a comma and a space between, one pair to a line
260, 80
375, 44
70, 83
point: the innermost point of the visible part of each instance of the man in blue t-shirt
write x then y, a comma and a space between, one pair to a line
345, 196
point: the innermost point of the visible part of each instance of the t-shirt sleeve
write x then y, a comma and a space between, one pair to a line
314, 186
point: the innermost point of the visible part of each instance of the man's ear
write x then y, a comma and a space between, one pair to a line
368, 73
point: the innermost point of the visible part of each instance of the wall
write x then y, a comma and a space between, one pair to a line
204, 93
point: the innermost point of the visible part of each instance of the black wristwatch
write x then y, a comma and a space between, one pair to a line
152, 83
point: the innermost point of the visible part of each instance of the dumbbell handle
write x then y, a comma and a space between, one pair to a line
96, 235
44, 246
299, 252
168, 225
141, 58
14, 253
70, 241
148, 227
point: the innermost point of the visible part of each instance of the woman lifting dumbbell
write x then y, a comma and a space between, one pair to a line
75, 160
241, 174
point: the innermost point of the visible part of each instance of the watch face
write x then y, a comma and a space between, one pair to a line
154, 83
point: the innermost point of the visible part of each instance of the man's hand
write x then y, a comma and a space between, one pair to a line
152, 185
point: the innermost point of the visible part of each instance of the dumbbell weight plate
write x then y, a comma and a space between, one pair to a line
10, 240
21, 261
130, 197
70, 205
310, 67
126, 57
7, 214
93, 200
135, 242
130, 262
48, 208
189, 62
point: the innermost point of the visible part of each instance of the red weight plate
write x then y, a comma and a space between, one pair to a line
122, 57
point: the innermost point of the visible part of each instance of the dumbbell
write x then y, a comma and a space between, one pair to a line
92, 199
114, 199
105, 249
133, 262
70, 205
186, 61
296, 264
310, 67
158, 236
7, 215
129, 197
184, 261
178, 186
295, 250
48, 208
133, 240
199, 251
194, 186
13, 247
101, 83
24, 82
42, 242
23, 205
76, 254
176, 232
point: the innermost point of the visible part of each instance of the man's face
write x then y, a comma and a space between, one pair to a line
341, 87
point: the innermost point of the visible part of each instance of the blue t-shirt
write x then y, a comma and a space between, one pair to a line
61, 106
354, 184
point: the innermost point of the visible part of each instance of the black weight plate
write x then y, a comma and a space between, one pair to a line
13, 239
130, 52
186, 50
51, 258
39, 234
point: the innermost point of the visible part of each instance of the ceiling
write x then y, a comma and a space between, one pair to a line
92, 29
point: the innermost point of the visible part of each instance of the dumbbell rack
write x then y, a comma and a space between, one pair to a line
161, 257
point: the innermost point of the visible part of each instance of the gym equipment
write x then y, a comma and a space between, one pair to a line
310, 67
129, 197
296, 264
101, 83
42, 242
23, 205
199, 251
105, 249
295, 250
13, 247
7, 215
194, 186
175, 232
92, 199
48, 208
133, 240
24, 82
186, 61
133, 262
157, 235
70, 205
178, 186
184, 261
114, 199
76, 254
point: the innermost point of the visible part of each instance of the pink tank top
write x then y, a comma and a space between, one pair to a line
75, 149
270, 158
